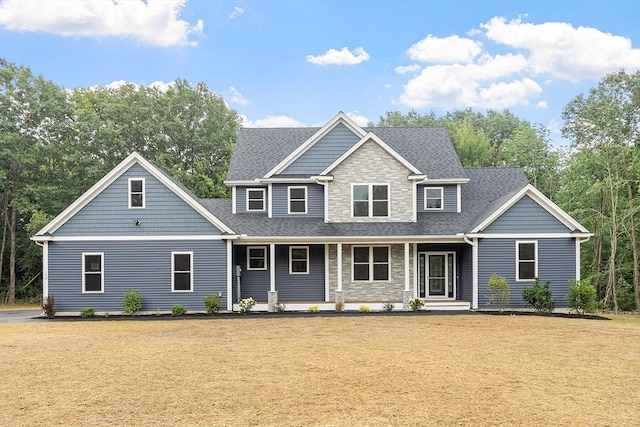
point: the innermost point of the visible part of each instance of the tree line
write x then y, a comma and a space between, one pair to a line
55, 144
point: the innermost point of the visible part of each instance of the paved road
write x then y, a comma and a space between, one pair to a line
19, 316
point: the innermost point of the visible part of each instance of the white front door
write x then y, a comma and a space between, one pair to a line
436, 275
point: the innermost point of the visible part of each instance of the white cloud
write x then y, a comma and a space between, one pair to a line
503, 95
358, 117
236, 97
271, 122
559, 49
542, 105
450, 49
153, 22
403, 69
340, 57
161, 86
237, 11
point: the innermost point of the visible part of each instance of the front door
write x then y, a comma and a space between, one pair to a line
436, 275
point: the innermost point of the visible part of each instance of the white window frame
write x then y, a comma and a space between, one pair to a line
289, 199
371, 263
264, 200
264, 251
173, 271
84, 272
426, 208
130, 193
535, 261
291, 249
370, 199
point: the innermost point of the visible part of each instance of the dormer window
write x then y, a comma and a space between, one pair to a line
433, 199
255, 199
136, 193
370, 200
298, 200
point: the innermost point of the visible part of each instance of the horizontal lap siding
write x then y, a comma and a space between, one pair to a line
300, 287
253, 283
464, 265
141, 265
315, 201
241, 198
449, 194
526, 216
556, 263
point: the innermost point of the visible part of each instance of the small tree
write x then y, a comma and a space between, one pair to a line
539, 297
498, 290
582, 297
131, 302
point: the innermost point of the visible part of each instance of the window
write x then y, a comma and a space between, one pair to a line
433, 198
370, 263
370, 200
526, 261
297, 200
298, 260
92, 272
255, 199
136, 193
256, 258
182, 271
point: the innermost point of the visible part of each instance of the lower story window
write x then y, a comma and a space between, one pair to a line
182, 271
256, 258
298, 259
526, 260
370, 263
92, 272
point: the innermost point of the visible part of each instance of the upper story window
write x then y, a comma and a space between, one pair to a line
182, 271
526, 261
256, 258
370, 200
298, 200
92, 272
255, 199
136, 193
433, 198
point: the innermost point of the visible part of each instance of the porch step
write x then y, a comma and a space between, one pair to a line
355, 306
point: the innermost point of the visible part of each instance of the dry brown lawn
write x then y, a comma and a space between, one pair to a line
369, 370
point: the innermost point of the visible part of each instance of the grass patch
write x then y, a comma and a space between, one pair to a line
20, 306
370, 370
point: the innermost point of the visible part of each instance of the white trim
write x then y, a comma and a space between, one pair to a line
270, 199
535, 261
291, 249
474, 256
444, 181
325, 189
264, 251
371, 263
272, 267
338, 118
370, 199
339, 261
528, 235
306, 199
144, 193
414, 189
415, 269
349, 239
578, 260
542, 200
446, 254
230, 268
264, 198
234, 200
173, 271
458, 198
326, 272
370, 137
243, 183
441, 208
131, 238
84, 272
115, 173
407, 261
45, 269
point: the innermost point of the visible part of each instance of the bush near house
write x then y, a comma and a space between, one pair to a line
539, 297
131, 302
498, 290
212, 303
582, 297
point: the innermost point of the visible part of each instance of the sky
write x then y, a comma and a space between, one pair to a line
297, 63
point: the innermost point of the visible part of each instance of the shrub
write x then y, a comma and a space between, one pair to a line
49, 306
314, 309
539, 297
582, 297
245, 305
339, 306
212, 303
365, 309
278, 307
131, 302
87, 312
388, 306
626, 298
178, 310
416, 304
498, 290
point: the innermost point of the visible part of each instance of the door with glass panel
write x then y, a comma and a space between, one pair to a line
436, 275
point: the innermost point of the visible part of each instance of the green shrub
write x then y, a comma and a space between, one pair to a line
49, 306
245, 305
365, 309
539, 297
582, 297
212, 303
131, 302
279, 308
314, 309
498, 290
416, 304
87, 312
178, 310
388, 306
626, 298
339, 306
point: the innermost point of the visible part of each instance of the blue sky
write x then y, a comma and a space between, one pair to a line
297, 63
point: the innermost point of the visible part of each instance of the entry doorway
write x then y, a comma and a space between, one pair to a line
437, 275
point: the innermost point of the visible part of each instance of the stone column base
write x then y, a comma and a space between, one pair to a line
406, 296
272, 301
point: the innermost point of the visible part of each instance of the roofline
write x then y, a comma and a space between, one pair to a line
351, 239
338, 118
579, 235
49, 238
428, 181
114, 174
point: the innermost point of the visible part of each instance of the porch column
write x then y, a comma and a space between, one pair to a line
406, 294
474, 249
272, 298
339, 295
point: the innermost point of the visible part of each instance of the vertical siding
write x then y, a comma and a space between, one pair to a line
449, 195
241, 199
300, 287
324, 152
556, 263
108, 214
526, 216
141, 265
315, 200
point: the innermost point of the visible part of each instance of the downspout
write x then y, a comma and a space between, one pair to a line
578, 261
474, 268
45, 268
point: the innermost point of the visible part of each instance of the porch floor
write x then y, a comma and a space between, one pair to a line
355, 305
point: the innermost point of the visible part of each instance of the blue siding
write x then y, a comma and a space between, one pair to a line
241, 199
464, 266
300, 287
556, 263
324, 152
141, 265
253, 283
108, 214
450, 196
526, 216
315, 200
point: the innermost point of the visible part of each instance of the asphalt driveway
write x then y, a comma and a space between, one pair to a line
19, 316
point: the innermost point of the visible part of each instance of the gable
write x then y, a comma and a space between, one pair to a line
526, 216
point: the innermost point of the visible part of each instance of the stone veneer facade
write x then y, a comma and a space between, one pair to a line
386, 291
370, 164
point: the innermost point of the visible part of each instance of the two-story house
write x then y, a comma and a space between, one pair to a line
317, 215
